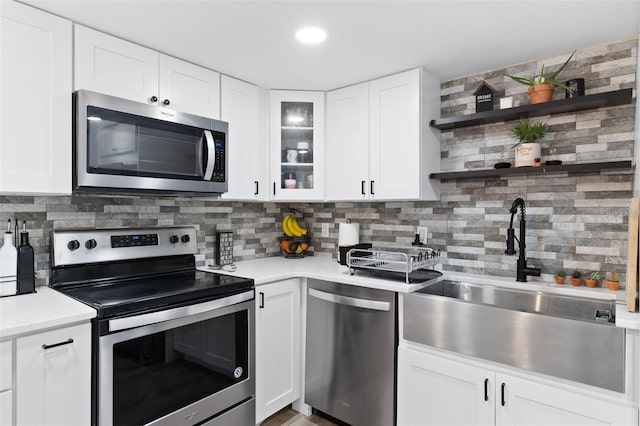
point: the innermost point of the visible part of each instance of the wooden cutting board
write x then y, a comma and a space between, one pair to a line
632, 260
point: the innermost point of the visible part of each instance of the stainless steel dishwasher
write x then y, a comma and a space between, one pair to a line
351, 353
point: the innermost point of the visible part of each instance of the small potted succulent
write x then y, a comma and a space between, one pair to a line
575, 278
528, 134
613, 282
559, 277
537, 162
592, 281
540, 87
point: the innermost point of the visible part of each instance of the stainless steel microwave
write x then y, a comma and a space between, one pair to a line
126, 146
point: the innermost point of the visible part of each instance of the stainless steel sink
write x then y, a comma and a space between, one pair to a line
569, 337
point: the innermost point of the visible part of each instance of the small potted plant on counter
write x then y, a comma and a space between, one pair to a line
592, 281
613, 282
559, 277
528, 148
540, 87
575, 278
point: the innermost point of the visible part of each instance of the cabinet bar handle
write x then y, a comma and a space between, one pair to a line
261, 300
55, 345
502, 394
274, 188
362, 187
372, 188
256, 182
486, 389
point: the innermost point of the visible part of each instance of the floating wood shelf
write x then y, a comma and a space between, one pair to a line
513, 171
561, 106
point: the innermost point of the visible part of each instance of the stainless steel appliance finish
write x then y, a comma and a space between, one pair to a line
350, 353
126, 146
540, 332
172, 345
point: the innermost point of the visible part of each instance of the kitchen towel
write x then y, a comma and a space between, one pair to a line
348, 234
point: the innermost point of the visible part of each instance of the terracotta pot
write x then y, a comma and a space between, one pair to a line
613, 285
539, 93
576, 281
591, 283
559, 279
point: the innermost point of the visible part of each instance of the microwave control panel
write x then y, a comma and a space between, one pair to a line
220, 159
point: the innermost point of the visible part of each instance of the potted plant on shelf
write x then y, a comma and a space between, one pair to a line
575, 278
559, 277
540, 87
592, 281
527, 133
613, 282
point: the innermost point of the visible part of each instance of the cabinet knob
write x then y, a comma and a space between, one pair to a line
153, 99
166, 102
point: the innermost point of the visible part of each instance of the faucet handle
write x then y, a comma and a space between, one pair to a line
510, 242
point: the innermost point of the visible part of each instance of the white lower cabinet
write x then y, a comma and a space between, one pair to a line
278, 346
53, 377
434, 390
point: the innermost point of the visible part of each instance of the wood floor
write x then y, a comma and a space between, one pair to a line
289, 417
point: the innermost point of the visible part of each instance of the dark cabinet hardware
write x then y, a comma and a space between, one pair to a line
166, 102
261, 300
362, 187
256, 182
502, 401
55, 345
486, 389
153, 99
372, 188
274, 188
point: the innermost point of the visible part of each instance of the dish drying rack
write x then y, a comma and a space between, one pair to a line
393, 261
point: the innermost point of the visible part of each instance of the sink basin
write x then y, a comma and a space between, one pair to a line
578, 308
568, 337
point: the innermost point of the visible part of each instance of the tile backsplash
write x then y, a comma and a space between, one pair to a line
573, 221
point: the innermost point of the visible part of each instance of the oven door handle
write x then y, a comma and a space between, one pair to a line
211, 155
183, 311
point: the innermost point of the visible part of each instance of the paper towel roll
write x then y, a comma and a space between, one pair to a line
348, 234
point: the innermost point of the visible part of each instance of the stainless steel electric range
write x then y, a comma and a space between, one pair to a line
171, 345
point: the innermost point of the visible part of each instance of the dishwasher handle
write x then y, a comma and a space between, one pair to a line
350, 301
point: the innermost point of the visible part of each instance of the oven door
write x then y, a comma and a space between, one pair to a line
133, 146
191, 368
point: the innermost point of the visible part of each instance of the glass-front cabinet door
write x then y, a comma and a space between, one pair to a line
297, 145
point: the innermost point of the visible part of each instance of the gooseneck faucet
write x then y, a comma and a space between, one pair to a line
522, 269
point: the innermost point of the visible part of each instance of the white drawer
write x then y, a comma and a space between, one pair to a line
5, 365
6, 406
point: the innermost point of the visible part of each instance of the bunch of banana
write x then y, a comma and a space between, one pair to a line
291, 227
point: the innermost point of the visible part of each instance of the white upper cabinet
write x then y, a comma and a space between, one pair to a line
296, 145
117, 67
35, 101
348, 143
247, 150
401, 150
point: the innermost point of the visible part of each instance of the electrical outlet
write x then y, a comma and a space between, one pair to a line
325, 230
422, 231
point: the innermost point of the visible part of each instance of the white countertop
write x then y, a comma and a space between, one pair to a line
271, 269
47, 308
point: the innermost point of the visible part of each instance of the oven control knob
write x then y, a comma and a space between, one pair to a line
185, 238
173, 239
90, 244
73, 245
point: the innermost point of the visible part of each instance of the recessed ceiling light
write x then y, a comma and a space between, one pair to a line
311, 35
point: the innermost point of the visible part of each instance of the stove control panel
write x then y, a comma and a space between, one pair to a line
81, 246
134, 240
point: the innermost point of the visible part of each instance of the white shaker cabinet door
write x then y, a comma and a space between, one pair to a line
347, 144
440, 392
35, 101
186, 87
53, 377
247, 150
278, 346
115, 67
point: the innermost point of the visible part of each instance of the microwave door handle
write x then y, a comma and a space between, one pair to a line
211, 158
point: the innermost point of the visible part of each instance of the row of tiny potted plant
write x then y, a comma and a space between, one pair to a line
612, 283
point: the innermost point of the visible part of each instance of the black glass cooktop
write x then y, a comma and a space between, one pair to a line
155, 292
